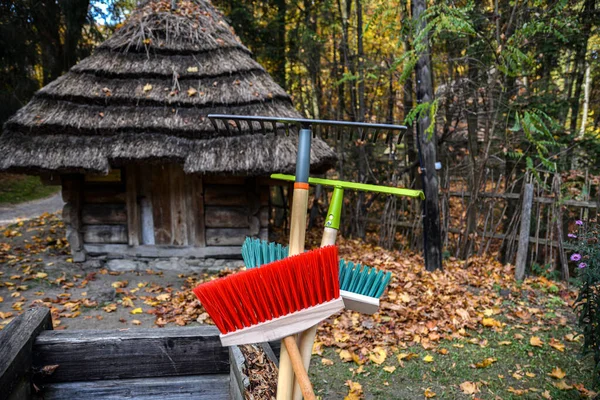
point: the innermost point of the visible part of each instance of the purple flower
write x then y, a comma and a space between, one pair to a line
582, 265
575, 257
579, 222
572, 236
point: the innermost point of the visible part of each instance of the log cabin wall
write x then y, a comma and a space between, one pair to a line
159, 211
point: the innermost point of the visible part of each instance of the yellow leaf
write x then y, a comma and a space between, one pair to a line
136, 322
469, 387
570, 338
192, 69
345, 356
41, 275
355, 392
530, 374
562, 385
389, 369
557, 373
147, 87
536, 341
163, 297
378, 355
1, 299
428, 358
504, 343
491, 322
136, 311
557, 345
429, 393
405, 298
486, 363
518, 336
326, 361
110, 308
406, 356
546, 394
517, 376
317, 348
192, 92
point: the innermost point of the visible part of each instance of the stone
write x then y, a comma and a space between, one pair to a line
103, 295
122, 265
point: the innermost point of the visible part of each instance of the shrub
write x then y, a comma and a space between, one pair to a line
587, 306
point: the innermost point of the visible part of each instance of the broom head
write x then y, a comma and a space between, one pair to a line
276, 300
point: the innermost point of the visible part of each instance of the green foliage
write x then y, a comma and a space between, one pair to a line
587, 305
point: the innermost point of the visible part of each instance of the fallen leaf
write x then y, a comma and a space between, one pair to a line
485, 363
407, 356
536, 341
110, 307
562, 385
49, 369
557, 373
557, 345
530, 374
428, 358
317, 347
491, 322
345, 356
389, 369
504, 343
192, 92
469, 387
136, 311
378, 355
192, 69
546, 394
136, 322
326, 361
41, 275
429, 393
356, 391
147, 87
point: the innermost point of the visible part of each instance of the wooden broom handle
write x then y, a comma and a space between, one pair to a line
307, 338
299, 370
285, 381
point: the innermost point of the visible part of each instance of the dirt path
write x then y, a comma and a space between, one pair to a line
9, 214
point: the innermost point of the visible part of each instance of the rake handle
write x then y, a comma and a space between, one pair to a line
299, 370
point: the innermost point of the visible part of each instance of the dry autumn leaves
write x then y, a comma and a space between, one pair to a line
429, 323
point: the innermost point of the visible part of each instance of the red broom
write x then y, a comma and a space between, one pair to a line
276, 301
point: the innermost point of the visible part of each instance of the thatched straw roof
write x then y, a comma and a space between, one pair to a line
144, 95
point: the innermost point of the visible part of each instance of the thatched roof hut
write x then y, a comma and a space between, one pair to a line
136, 108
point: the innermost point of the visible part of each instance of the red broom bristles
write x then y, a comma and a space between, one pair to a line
273, 290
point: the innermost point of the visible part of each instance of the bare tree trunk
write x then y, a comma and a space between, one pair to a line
360, 214
432, 240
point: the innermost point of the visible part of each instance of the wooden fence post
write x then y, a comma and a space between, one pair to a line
524, 232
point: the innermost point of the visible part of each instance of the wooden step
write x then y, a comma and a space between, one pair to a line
198, 387
87, 355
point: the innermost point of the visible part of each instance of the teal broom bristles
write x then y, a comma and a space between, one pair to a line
256, 252
354, 278
363, 280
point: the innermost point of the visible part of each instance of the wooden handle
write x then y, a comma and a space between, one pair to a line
307, 338
301, 374
285, 381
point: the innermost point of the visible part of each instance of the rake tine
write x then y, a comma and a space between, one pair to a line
287, 129
400, 136
249, 122
262, 127
238, 125
363, 134
226, 123
215, 125
375, 134
274, 127
339, 133
325, 133
388, 137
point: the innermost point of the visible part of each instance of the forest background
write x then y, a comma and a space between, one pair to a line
511, 87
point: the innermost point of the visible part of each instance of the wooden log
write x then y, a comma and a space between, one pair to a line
239, 381
226, 217
178, 212
161, 204
103, 194
137, 353
202, 387
229, 236
524, 232
16, 342
133, 211
147, 221
224, 195
198, 209
105, 234
227, 252
104, 214
254, 225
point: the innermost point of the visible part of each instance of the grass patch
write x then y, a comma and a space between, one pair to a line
20, 188
517, 365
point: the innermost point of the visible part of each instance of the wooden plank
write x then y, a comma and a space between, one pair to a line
16, 342
227, 252
104, 214
226, 217
145, 195
178, 212
224, 195
133, 211
263, 216
224, 180
204, 387
200, 228
105, 234
524, 232
161, 204
136, 353
103, 194
191, 209
230, 236
73, 191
